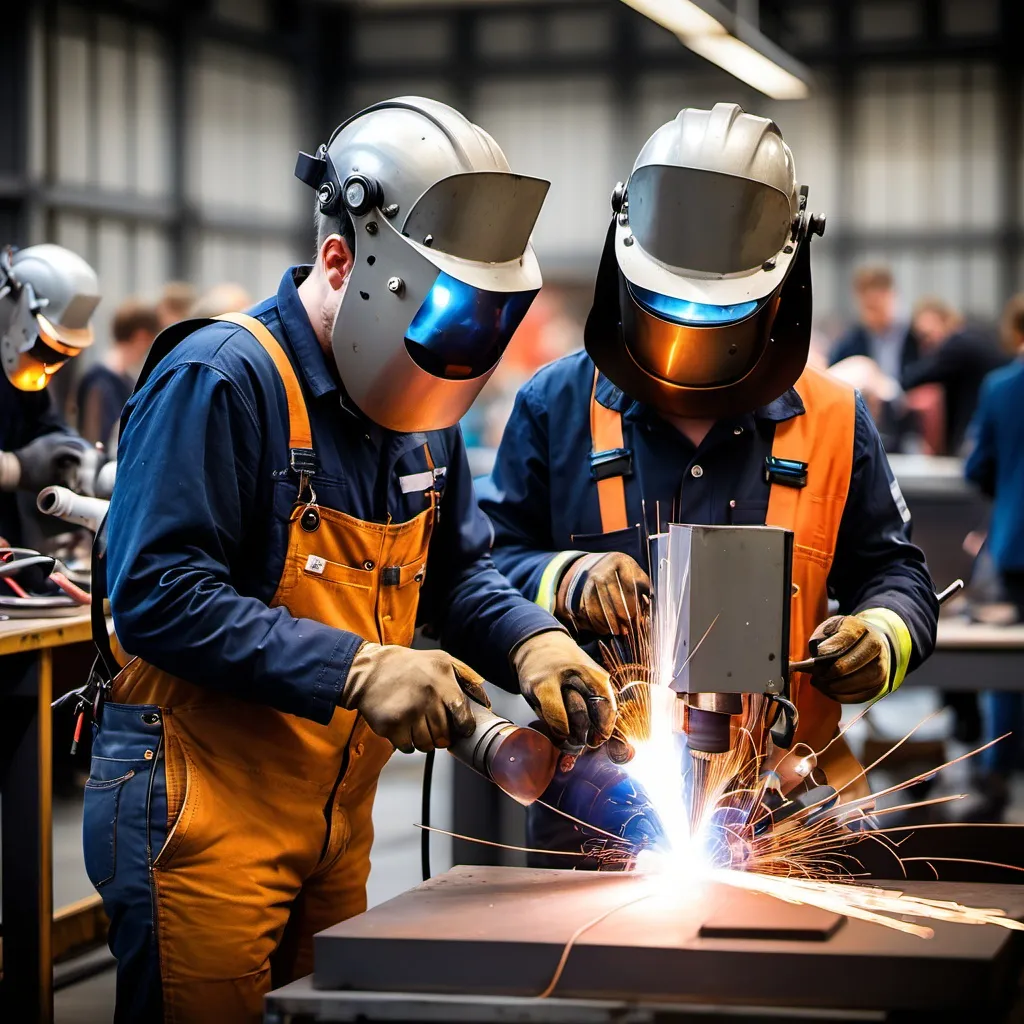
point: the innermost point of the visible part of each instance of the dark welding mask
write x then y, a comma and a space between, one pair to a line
444, 270
703, 298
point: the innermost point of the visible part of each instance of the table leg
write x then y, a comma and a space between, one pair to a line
26, 832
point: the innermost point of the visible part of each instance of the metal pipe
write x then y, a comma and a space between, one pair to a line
71, 507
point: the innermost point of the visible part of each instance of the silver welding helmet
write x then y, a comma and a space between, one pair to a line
703, 298
444, 270
47, 297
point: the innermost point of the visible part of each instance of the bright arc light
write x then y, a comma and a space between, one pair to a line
441, 296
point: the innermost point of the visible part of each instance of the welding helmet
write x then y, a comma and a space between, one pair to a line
47, 296
703, 299
444, 271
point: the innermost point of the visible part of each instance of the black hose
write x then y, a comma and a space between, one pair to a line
428, 773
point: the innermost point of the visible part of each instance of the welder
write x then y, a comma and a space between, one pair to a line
292, 495
47, 297
693, 404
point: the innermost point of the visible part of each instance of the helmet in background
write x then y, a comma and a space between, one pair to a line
703, 298
444, 271
47, 297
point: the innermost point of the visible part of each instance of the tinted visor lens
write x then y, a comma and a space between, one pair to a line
460, 332
690, 314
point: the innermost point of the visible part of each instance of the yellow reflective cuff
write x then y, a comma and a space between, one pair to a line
896, 630
552, 576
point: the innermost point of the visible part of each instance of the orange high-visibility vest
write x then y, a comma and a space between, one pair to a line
822, 437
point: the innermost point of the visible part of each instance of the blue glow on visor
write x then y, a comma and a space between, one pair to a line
460, 332
692, 314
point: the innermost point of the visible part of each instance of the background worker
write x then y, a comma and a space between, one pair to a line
47, 298
692, 383
956, 356
175, 303
292, 496
106, 387
996, 466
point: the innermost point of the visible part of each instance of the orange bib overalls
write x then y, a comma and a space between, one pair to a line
268, 816
823, 438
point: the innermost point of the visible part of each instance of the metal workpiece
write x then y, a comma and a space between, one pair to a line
520, 761
500, 932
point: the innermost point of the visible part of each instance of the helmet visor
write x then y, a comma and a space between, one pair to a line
689, 314
460, 332
32, 367
699, 346
707, 221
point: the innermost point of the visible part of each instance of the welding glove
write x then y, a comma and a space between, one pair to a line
51, 459
569, 690
860, 657
418, 700
603, 594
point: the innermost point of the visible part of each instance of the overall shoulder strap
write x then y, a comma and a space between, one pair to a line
606, 436
300, 436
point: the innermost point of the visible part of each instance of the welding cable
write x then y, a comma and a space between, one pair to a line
428, 774
579, 932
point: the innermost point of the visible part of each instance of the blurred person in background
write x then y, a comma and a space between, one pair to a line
220, 299
175, 303
996, 465
882, 338
880, 333
955, 355
107, 386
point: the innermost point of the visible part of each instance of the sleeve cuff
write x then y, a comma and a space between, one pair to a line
331, 679
552, 576
899, 636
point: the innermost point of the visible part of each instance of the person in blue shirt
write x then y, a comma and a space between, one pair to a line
292, 498
693, 404
996, 465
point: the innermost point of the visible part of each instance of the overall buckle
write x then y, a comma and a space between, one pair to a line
786, 472
613, 462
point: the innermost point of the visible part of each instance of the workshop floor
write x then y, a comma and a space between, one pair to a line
396, 864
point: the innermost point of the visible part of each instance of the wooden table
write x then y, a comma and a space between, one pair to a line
26, 825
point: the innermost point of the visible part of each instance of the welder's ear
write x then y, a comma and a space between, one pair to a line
337, 260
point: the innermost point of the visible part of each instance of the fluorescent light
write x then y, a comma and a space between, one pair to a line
746, 64
710, 29
683, 17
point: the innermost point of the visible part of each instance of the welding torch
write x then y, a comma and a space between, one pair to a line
808, 665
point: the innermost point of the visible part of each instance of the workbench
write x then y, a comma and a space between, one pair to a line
479, 944
973, 656
26, 825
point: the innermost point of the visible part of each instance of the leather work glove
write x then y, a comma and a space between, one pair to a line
51, 459
603, 594
419, 700
857, 657
568, 689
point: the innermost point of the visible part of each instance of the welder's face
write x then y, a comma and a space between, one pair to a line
877, 308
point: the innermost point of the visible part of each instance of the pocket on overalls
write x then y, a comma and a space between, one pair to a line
122, 792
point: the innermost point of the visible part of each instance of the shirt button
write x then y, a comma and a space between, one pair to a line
368, 564
696, 472
737, 431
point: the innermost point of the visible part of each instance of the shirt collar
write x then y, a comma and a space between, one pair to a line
785, 407
309, 356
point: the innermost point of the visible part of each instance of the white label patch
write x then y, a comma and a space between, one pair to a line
412, 482
901, 504
316, 564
